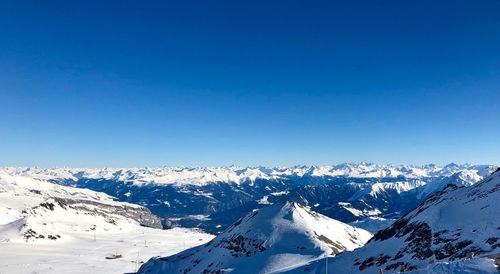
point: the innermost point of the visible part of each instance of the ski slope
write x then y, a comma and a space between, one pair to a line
48, 228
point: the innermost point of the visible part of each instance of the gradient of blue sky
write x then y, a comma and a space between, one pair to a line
136, 83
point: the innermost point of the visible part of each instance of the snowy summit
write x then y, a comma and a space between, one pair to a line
269, 240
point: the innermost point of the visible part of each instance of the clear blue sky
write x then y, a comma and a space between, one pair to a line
136, 83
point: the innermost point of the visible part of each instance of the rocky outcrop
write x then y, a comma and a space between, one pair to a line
141, 215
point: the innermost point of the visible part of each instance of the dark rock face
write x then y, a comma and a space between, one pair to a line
419, 241
418, 244
397, 228
367, 263
32, 234
241, 246
140, 214
422, 244
49, 206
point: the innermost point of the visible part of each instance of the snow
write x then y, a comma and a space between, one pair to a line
84, 255
455, 216
377, 188
293, 236
372, 223
264, 200
468, 266
269, 240
205, 175
41, 234
462, 177
280, 193
198, 217
357, 212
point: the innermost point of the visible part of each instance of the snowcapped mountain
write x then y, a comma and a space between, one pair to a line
269, 240
463, 177
49, 228
448, 227
205, 175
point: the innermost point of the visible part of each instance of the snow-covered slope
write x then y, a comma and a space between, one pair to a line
268, 240
48, 228
451, 225
41, 203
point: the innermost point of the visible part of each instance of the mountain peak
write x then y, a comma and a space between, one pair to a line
269, 239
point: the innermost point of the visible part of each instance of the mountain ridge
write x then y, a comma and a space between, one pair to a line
267, 240
232, 174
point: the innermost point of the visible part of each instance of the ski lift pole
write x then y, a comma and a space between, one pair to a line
326, 264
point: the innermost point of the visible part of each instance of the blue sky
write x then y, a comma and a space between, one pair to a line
194, 83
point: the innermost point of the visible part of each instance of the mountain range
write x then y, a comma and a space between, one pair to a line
370, 196
233, 174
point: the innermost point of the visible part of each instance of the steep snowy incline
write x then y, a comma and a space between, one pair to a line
450, 226
268, 240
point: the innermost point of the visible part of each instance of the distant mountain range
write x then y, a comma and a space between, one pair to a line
367, 195
205, 175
